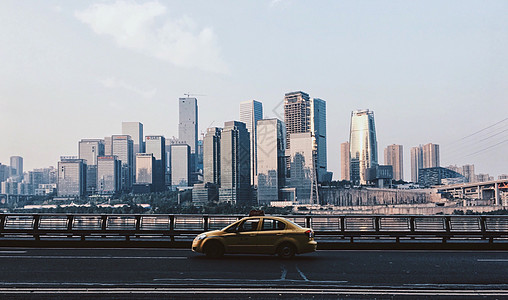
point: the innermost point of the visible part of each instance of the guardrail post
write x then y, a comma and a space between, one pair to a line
342, 226
104, 225
483, 228
377, 226
172, 227
205, 223
36, 227
412, 226
70, 219
447, 227
138, 225
307, 221
2, 224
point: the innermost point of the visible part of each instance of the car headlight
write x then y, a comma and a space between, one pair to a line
200, 237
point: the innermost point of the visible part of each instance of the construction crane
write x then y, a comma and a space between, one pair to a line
189, 94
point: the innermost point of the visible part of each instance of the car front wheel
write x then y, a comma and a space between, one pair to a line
214, 249
286, 250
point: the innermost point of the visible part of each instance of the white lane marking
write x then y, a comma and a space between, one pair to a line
222, 280
353, 291
284, 272
301, 274
12, 252
89, 257
492, 260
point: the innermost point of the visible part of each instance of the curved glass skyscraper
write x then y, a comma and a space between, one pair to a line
362, 145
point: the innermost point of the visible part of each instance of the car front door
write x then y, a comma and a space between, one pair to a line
244, 240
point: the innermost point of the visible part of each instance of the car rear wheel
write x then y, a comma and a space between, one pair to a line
286, 250
214, 249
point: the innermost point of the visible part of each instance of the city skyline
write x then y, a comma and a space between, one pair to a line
427, 81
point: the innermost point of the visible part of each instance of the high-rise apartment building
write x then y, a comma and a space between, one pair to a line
188, 127
302, 166
5, 172
362, 144
108, 146
89, 150
430, 155
302, 114
17, 167
71, 177
122, 147
135, 130
345, 161
468, 172
423, 157
271, 143
211, 156
156, 144
180, 165
416, 162
235, 164
394, 156
250, 112
109, 175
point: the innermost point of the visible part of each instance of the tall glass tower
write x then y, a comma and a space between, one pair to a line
250, 112
188, 127
362, 145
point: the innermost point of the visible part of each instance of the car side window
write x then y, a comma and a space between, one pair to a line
271, 224
249, 225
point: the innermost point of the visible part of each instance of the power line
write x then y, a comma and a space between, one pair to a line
481, 130
484, 149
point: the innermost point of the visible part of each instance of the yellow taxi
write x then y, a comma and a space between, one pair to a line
257, 235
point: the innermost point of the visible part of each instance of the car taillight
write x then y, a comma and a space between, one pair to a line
309, 233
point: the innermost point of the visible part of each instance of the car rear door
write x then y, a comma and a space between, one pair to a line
271, 231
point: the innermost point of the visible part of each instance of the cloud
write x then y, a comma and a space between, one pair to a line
146, 28
117, 83
274, 3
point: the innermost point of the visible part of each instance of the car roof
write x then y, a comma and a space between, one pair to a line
266, 217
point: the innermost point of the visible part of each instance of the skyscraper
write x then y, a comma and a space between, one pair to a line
211, 156
180, 165
122, 147
430, 154
250, 112
394, 157
271, 141
109, 175
108, 145
144, 168
318, 129
135, 130
89, 150
303, 176
156, 144
188, 127
17, 167
416, 162
363, 145
235, 164
71, 177
345, 161
302, 114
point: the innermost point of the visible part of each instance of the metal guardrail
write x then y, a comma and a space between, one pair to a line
352, 227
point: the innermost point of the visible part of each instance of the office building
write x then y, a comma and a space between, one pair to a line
71, 177
89, 150
271, 141
345, 161
302, 166
203, 193
17, 167
156, 145
180, 165
502, 177
109, 175
394, 157
428, 177
250, 112
302, 114
211, 156
108, 145
188, 127
135, 130
362, 144
145, 165
5, 172
380, 176
235, 164
122, 147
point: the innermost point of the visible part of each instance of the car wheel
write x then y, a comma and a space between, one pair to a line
286, 250
214, 250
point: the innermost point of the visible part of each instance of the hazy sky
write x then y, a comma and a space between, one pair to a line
432, 71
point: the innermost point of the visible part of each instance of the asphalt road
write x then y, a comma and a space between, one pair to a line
176, 273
